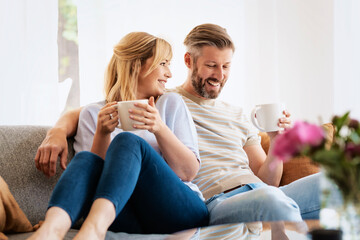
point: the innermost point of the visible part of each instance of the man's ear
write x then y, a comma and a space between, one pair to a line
188, 60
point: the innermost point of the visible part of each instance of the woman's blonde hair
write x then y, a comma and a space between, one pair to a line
121, 77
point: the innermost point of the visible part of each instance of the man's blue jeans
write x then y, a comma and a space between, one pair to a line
260, 202
148, 196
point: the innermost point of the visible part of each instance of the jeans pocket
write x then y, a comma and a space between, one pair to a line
253, 186
211, 202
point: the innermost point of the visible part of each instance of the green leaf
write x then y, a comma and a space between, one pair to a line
327, 156
340, 121
354, 137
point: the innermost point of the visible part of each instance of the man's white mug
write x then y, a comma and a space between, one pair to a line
265, 117
126, 123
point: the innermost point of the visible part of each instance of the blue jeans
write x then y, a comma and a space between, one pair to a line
260, 202
148, 196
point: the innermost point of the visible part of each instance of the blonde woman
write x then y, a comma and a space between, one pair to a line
135, 182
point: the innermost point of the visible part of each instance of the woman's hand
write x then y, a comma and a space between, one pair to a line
107, 119
284, 122
149, 115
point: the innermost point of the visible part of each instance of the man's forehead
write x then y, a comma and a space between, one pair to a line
210, 53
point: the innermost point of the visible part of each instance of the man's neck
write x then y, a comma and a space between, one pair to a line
187, 86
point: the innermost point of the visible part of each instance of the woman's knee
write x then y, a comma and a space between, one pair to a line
85, 157
126, 137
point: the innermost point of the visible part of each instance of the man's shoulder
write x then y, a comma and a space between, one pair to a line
174, 90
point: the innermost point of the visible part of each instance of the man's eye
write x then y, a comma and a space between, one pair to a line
211, 66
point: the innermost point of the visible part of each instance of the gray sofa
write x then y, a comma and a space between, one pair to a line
30, 187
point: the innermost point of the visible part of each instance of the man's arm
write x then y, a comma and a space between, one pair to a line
267, 168
55, 143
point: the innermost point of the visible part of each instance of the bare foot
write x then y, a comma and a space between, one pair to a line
57, 223
45, 233
101, 215
89, 232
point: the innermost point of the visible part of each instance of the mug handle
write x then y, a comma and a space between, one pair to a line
254, 121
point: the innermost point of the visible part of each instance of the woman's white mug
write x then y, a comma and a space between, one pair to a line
265, 117
126, 123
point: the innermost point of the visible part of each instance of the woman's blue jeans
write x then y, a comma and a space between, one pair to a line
148, 196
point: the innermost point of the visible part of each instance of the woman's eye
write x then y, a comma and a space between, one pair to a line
163, 63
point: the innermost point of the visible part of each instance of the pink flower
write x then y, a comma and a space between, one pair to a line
293, 140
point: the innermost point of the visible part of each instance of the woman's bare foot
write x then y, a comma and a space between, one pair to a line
90, 232
47, 233
57, 223
101, 215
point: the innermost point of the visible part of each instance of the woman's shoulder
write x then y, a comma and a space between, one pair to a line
170, 98
92, 109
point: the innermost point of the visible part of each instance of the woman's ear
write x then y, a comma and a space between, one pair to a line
188, 60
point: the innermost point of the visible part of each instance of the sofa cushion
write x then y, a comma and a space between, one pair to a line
18, 145
12, 218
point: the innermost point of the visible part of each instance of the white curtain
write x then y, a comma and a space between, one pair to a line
305, 53
28, 62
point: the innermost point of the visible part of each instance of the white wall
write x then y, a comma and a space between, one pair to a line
103, 23
284, 49
302, 52
347, 57
289, 55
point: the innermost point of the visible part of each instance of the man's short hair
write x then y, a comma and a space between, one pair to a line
207, 35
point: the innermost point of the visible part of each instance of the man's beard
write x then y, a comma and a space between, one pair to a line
199, 85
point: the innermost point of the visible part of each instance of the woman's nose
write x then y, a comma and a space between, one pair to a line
168, 74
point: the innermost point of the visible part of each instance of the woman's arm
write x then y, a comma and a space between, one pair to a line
105, 126
180, 158
55, 143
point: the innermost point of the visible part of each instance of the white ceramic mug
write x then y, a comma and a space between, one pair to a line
265, 117
126, 123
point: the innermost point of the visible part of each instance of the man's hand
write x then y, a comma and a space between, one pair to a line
284, 122
53, 146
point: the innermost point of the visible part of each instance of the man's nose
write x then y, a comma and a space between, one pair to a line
219, 73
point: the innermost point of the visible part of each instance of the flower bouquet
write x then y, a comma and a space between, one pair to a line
339, 157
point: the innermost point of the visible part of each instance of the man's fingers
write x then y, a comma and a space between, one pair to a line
52, 161
63, 159
44, 161
37, 159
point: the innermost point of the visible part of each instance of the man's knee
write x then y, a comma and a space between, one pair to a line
273, 198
